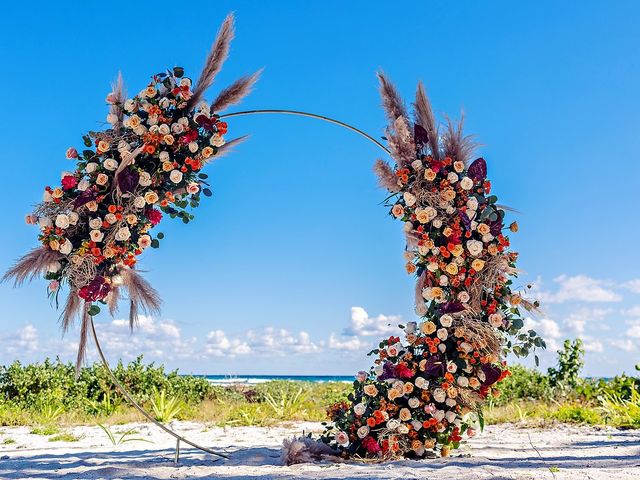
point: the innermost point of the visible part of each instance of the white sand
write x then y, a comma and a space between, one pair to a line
501, 452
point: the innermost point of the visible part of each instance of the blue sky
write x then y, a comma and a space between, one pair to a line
293, 266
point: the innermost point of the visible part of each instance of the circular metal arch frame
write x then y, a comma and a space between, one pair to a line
179, 438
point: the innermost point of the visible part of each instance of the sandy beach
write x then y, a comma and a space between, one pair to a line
501, 452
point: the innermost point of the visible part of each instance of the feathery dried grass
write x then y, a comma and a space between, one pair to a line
391, 99
119, 97
480, 334
216, 58
494, 268
426, 119
456, 144
235, 92
71, 309
421, 284
84, 336
227, 148
386, 178
112, 300
143, 297
31, 265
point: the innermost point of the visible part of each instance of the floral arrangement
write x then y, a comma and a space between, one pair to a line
94, 225
425, 391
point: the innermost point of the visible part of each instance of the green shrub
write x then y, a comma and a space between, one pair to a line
523, 384
578, 414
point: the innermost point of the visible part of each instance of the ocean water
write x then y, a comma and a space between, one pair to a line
255, 379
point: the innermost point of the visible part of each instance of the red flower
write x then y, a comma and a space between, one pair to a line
402, 371
69, 182
189, 137
371, 445
97, 289
153, 215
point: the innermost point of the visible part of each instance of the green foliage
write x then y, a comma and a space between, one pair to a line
165, 409
578, 414
118, 438
8, 441
570, 362
523, 384
45, 430
64, 437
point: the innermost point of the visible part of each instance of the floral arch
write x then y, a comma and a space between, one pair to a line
423, 392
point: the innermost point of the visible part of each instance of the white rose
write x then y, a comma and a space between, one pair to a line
95, 223
177, 128
446, 320
403, 429
409, 199
443, 280
495, 319
437, 223
91, 167
110, 164
411, 327
123, 146
144, 241
359, 408
83, 184
342, 438
463, 381
193, 147
45, 222
152, 120
472, 203
129, 105
450, 416
66, 248
96, 235
217, 140
452, 177
62, 221
123, 234
423, 250
110, 218
442, 334
487, 238
164, 129
378, 369
475, 247
466, 183
442, 348
139, 202
102, 179
416, 424
439, 414
414, 402
420, 382
416, 164
392, 424
184, 121
164, 156
452, 367
54, 267
464, 297
175, 176
145, 179
363, 431
450, 402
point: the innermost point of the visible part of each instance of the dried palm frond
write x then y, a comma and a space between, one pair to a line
84, 335
33, 264
227, 148
529, 306
235, 92
71, 309
494, 269
391, 99
386, 178
456, 145
117, 107
469, 398
216, 58
480, 334
306, 450
426, 119
142, 295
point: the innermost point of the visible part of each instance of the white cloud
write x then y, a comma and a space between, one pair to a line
218, 345
348, 343
633, 285
634, 329
632, 312
364, 326
593, 346
625, 345
579, 318
25, 340
580, 288
266, 342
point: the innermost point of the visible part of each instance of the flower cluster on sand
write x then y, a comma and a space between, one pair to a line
425, 391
